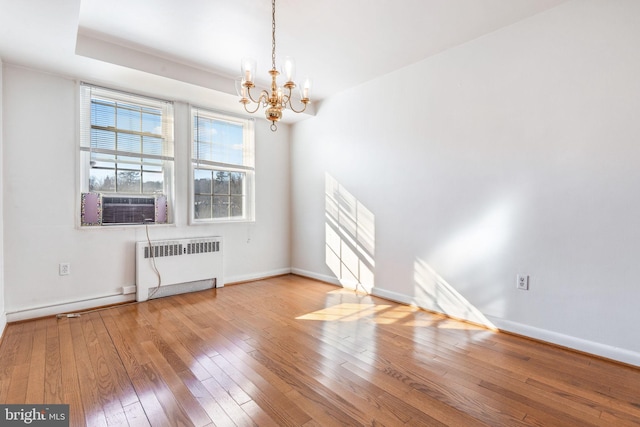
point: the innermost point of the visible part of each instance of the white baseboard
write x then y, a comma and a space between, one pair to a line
394, 296
3, 323
256, 276
90, 303
579, 344
68, 307
321, 277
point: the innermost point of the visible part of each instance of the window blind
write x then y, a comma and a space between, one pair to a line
221, 140
137, 129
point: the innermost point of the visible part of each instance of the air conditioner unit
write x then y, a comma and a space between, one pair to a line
113, 209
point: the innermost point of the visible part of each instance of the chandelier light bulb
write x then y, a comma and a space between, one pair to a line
305, 88
280, 95
241, 89
289, 69
248, 69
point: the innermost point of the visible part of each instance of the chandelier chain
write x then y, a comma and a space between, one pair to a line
273, 34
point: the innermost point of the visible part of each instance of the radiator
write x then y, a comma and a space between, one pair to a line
177, 266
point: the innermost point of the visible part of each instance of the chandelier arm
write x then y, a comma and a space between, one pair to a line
263, 94
290, 103
251, 111
296, 111
260, 102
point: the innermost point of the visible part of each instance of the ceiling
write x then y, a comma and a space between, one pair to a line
199, 43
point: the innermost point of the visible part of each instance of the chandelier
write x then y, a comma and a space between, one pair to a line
280, 97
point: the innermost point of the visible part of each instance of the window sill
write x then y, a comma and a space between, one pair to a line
221, 221
122, 226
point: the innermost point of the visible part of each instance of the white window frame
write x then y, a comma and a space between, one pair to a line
248, 166
87, 93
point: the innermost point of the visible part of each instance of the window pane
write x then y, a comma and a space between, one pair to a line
202, 181
202, 151
103, 139
202, 207
236, 206
152, 182
152, 145
227, 143
204, 129
129, 117
128, 182
151, 165
221, 183
152, 121
103, 114
237, 183
129, 143
99, 160
218, 141
220, 206
129, 163
102, 180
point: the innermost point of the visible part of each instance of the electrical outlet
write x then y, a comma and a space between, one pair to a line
522, 282
64, 269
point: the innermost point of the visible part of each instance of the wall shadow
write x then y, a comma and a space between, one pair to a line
349, 237
433, 292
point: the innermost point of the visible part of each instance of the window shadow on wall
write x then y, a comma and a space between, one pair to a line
435, 293
349, 237
472, 253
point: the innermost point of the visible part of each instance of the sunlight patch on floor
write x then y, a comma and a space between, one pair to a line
345, 312
385, 314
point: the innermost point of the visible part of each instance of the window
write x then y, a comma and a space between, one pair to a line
126, 150
223, 167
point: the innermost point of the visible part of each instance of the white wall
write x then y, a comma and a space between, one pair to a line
3, 315
514, 153
40, 198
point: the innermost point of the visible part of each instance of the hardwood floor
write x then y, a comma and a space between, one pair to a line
289, 351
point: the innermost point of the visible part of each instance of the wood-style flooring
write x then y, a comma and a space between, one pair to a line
290, 351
